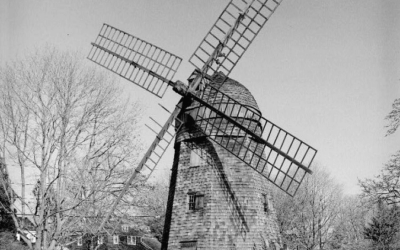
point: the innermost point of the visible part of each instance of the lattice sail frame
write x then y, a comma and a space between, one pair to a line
134, 59
163, 139
232, 34
281, 157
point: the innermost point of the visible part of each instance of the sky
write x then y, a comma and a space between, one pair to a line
325, 71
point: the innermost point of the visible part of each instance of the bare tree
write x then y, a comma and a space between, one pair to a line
393, 117
155, 201
67, 125
385, 186
349, 227
307, 220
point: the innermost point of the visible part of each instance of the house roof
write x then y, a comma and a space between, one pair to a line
152, 242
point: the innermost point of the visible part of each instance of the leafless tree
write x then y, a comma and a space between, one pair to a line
307, 220
393, 117
349, 227
67, 125
386, 186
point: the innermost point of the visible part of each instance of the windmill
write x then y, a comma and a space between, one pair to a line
217, 118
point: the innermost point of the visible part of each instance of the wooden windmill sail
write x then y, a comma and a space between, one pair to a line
233, 125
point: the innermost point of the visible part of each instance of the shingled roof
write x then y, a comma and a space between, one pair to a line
228, 86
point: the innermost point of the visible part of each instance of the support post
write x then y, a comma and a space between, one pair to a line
171, 194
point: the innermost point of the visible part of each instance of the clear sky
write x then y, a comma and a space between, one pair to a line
326, 71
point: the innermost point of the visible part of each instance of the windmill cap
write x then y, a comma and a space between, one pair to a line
235, 90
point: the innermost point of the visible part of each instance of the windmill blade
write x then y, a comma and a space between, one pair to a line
281, 158
134, 59
232, 34
151, 158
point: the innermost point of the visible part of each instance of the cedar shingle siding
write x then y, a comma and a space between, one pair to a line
235, 196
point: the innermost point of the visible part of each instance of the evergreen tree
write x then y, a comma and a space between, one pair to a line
6, 222
384, 226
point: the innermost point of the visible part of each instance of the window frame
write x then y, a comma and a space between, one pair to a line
265, 203
190, 245
199, 201
116, 239
100, 240
195, 159
131, 240
80, 241
125, 228
192, 201
195, 201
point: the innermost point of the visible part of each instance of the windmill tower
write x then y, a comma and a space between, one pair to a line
224, 150
219, 202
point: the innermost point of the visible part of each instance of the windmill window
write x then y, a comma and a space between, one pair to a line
192, 201
188, 245
265, 202
132, 240
100, 240
196, 201
79, 241
195, 158
115, 239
